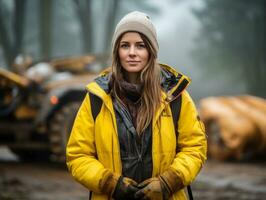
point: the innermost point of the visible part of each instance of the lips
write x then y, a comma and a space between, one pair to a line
133, 62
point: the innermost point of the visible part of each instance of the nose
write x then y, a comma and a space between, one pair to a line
132, 51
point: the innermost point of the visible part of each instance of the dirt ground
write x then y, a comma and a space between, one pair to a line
49, 181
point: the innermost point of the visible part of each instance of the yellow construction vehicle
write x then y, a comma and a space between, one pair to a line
38, 106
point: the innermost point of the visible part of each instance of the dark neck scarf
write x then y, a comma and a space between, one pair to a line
131, 95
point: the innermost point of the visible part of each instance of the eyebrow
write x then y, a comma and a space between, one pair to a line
128, 42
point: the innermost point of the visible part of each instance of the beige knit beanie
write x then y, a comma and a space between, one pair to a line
139, 22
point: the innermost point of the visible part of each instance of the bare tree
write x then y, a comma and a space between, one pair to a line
11, 39
113, 9
46, 15
84, 13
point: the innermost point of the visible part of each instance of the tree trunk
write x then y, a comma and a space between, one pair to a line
46, 27
110, 19
84, 12
18, 30
5, 37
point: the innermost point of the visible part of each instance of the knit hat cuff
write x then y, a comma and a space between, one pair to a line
136, 27
137, 22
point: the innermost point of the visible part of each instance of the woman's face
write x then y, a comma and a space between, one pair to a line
132, 53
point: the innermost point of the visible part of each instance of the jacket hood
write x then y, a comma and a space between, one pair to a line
172, 82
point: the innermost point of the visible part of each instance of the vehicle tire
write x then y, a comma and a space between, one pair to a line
59, 130
10, 98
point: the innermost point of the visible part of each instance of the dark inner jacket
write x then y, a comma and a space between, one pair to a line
135, 150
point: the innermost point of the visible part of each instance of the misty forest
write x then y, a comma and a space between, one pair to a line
51, 49
224, 54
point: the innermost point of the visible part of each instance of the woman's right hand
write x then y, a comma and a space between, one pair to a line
125, 189
152, 189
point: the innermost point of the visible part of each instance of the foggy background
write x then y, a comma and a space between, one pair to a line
220, 45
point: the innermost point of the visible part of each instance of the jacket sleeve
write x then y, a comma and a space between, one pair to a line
81, 153
192, 142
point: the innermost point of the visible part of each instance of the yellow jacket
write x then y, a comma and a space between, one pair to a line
93, 147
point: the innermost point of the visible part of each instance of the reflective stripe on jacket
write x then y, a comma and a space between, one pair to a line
93, 147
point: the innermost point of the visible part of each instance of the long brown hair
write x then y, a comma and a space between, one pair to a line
150, 80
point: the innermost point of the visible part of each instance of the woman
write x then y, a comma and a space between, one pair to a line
130, 150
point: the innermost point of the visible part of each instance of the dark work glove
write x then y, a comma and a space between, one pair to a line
125, 189
161, 187
152, 189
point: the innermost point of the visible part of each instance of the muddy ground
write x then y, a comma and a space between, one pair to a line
49, 181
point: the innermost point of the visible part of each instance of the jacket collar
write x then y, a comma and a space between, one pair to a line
173, 83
